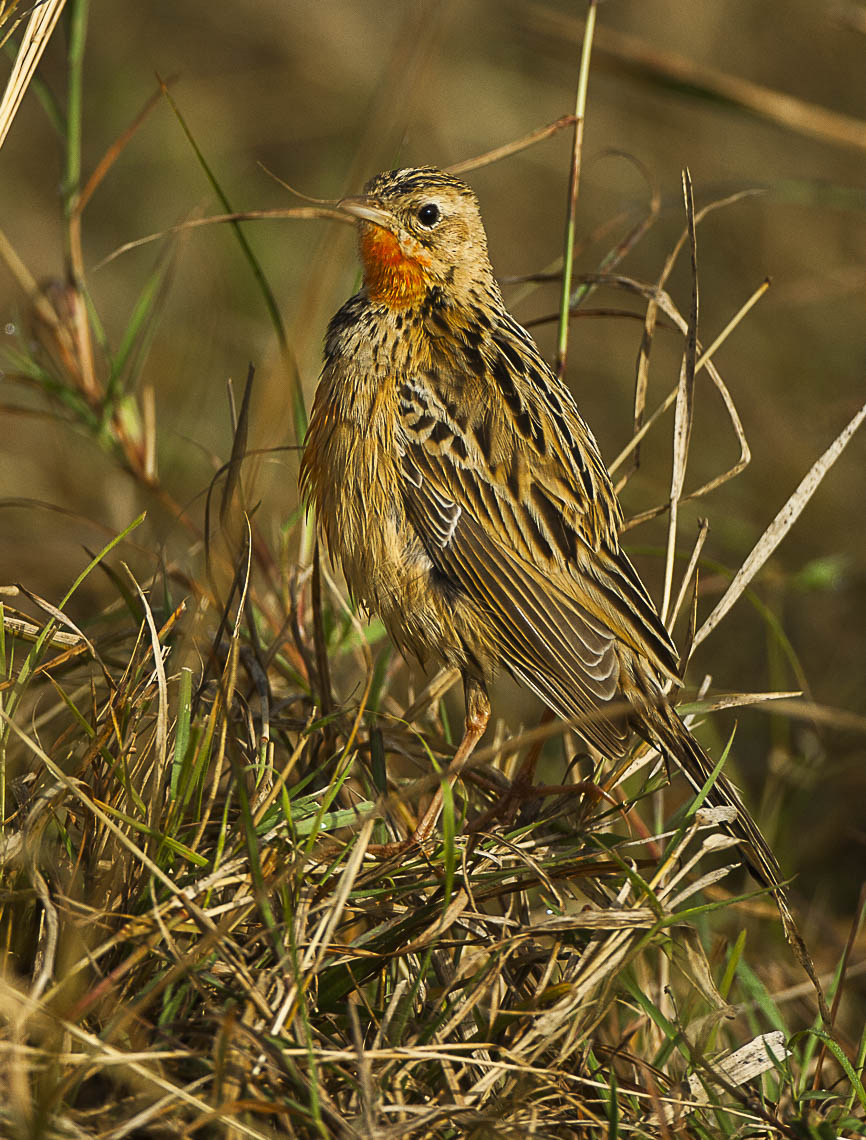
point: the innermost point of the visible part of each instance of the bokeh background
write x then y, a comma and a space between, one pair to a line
327, 93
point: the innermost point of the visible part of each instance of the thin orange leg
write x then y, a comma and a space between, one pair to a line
521, 788
477, 716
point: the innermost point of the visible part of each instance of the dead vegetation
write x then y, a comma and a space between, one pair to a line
196, 937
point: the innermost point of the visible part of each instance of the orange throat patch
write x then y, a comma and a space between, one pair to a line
391, 276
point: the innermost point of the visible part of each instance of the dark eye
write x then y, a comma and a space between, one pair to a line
429, 214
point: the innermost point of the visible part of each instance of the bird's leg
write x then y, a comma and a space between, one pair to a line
523, 789
525, 778
505, 809
477, 716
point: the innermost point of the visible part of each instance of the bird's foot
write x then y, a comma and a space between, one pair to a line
524, 792
413, 844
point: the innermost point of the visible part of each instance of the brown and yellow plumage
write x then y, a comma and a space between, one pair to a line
467, 500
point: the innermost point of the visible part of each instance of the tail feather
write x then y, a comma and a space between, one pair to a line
660, 725
663, 727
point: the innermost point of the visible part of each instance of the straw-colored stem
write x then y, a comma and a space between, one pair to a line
573, 185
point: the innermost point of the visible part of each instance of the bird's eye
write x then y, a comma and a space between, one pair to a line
429, 214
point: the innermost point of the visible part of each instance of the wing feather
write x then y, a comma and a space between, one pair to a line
546, 639
512, 503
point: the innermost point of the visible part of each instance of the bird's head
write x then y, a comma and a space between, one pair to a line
419, 229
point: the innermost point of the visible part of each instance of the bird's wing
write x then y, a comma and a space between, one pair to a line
508, 494
547, 640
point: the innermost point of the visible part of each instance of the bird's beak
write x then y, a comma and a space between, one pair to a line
364, 209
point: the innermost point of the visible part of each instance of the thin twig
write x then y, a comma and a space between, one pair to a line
512, 148
703, 531
684, 414
573, 186
703, 359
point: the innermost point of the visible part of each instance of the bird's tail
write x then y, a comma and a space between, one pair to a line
658, 723
663, 728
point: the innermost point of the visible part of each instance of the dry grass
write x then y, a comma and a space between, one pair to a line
196, 936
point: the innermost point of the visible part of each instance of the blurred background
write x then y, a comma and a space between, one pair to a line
327, 93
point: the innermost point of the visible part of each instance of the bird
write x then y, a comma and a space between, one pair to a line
465, 498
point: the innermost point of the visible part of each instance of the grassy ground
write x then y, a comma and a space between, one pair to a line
202, 744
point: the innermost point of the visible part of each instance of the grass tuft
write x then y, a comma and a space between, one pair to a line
199, 931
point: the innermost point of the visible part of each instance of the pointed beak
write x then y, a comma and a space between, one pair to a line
364, 209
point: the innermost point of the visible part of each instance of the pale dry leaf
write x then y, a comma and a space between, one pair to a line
779, 527
760, 1055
